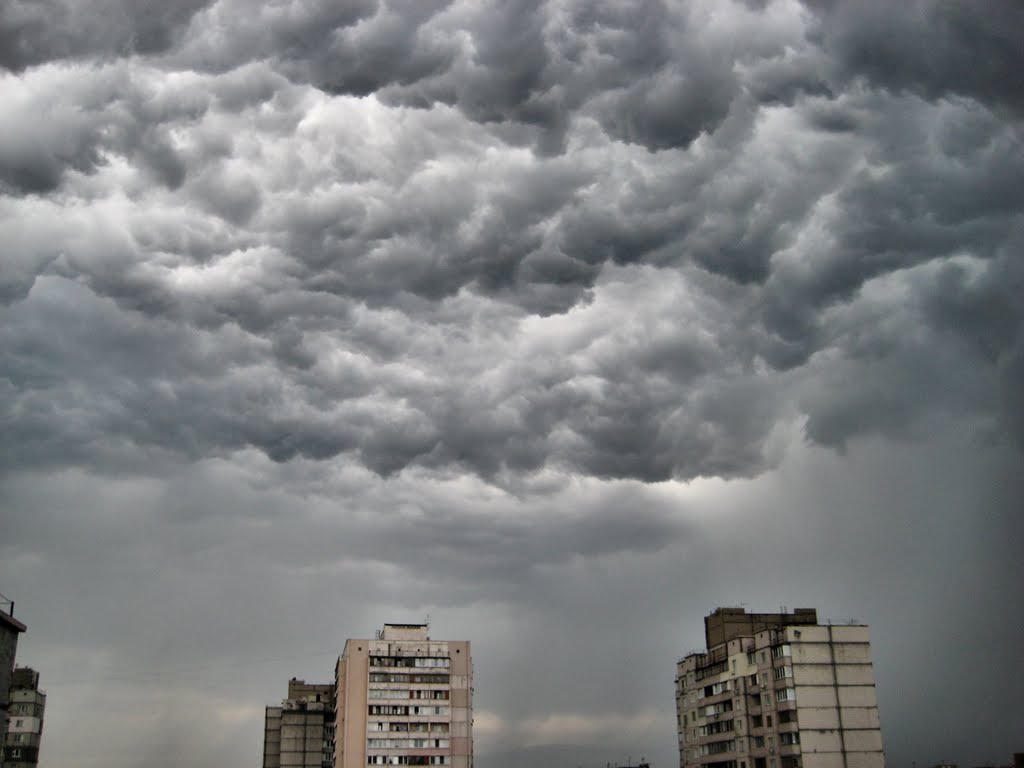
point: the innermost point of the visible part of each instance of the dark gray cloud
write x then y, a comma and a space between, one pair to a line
528, 314
800, 216
928, 48
38, 31
637, 67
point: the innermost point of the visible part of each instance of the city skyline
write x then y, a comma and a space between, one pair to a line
556, 324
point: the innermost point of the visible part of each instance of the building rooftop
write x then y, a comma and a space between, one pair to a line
726, 624
25, 677
8, 622
404, 632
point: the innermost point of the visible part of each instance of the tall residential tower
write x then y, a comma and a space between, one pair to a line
778, 690
404, 699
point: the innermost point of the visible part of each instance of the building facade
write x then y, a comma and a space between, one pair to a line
300, 732
27, 704
778, 690
404, 699
10, 628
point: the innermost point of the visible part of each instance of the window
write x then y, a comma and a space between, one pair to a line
716, 709
785, 694
713, 690
768, 720
717, 747
757, 721
783, 672
750, 657
758, 741
789, 738
778, 651
787, 716
375, 693
719, 726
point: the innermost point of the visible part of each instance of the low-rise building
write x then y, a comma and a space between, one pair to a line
300, 732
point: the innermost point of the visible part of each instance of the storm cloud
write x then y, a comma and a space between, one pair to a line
511, 312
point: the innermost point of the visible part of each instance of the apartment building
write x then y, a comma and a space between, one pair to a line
300, 732
10, 628
778, 690
27, 704
404, 699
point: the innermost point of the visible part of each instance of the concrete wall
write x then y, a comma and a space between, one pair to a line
350, 731
21, 724
727, 623
272, 738
404, 632
813, 674
857, 696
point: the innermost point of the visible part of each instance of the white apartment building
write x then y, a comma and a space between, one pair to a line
404, 699
778, 691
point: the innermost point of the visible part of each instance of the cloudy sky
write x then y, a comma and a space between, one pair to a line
561, 323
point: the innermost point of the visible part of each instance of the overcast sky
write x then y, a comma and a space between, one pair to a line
561, 323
